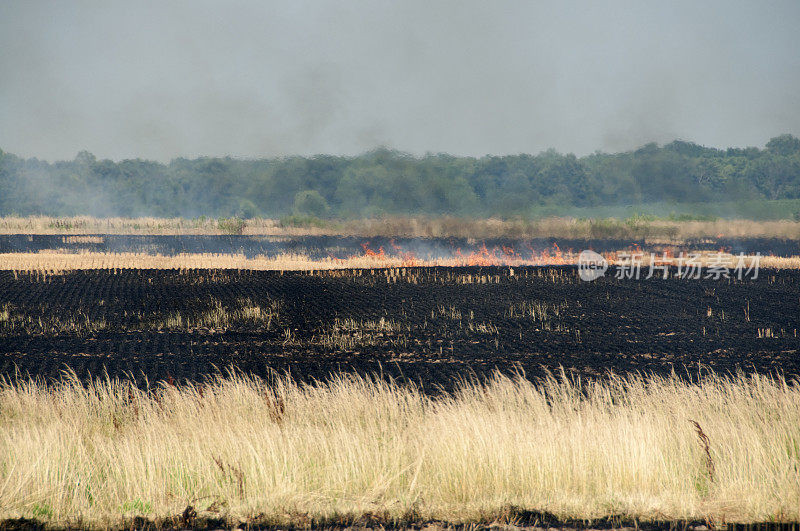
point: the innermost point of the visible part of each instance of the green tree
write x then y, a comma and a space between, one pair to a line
784, 145
310, 203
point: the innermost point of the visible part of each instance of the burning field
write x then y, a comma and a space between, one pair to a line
436, 266
428, 325
351, 382
24, 252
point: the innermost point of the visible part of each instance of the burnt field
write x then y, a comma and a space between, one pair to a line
316, 247
428, 325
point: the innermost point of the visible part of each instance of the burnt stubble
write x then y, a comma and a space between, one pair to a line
429, 325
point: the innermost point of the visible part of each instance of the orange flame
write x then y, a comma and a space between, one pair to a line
482, 256
408, 258
380, 255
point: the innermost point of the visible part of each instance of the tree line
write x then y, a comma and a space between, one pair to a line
388, 182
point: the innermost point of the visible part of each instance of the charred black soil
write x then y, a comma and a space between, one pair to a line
428, 325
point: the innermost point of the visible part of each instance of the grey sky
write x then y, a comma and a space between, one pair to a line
252, 79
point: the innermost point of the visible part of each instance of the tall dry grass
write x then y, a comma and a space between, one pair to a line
656, 230
238, 448
55, 262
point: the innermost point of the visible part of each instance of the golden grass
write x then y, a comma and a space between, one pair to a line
61, 261
417, 227
222, 317
54, 262
237, 448
64, 261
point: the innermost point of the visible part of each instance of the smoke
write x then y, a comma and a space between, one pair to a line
259, 79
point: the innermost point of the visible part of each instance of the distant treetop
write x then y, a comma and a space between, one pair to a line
388, 182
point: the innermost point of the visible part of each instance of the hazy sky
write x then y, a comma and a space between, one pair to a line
253, 79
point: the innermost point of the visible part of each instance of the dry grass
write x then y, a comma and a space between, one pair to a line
236, 448
51, 262
349, 334
217, 317
659, 230
440, 227
243, 312
61, 261
537, 310
82, 225
14, 320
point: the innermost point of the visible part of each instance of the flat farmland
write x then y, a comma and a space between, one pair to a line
429, 325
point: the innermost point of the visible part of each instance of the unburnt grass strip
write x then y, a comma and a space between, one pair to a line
363, 452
